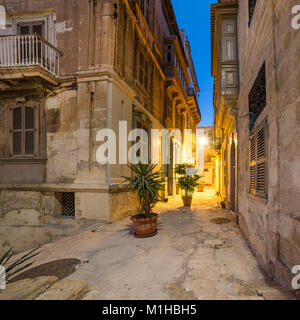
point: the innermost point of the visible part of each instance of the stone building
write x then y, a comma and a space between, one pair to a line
69, 68
225, 69
209, 174
255, 57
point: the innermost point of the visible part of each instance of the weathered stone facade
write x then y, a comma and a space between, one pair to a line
118, 61
268, 190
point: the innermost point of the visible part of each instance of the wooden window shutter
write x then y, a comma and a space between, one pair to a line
29, 130
258, 162
17, 118
23, 131
141, 67
261, 170
252, 163
17, 131
17, 143
146, 81
29, 118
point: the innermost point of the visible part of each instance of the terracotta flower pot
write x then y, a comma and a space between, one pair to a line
200, 188
187, 201
144, 227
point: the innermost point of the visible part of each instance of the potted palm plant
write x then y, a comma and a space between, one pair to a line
147, 182
187, 182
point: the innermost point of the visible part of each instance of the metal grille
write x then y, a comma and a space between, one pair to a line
257, 97
68, 204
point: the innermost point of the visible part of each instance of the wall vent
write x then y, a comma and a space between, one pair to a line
68, 204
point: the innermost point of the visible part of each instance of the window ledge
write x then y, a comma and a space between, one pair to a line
23, 160
257, 198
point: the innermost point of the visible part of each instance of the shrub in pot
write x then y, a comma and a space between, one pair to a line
146, 181
187, 181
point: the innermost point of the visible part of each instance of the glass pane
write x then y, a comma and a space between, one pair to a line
24, 29
17, 143
38, 29
29, 142
230, 50
29, 118
17, 118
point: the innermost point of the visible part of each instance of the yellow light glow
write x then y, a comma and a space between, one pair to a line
203, 141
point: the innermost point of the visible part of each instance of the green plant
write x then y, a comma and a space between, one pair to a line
146, 182
17, 266
187, 180
202, 183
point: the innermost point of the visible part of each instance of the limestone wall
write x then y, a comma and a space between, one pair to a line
272, 226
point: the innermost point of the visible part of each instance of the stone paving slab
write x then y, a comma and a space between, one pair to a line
27, 289
65, 290
190, 258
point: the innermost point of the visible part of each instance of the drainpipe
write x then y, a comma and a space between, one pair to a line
277, 210
237, 170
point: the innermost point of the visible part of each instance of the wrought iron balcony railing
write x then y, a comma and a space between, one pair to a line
28, 51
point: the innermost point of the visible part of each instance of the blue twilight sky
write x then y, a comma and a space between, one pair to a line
194, 17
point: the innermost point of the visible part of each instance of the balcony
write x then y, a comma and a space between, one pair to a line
27, 57
193, 103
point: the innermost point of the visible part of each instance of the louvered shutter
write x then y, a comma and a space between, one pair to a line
23, 131
29, 130
258, 162
252, 164
261, 162
17, 131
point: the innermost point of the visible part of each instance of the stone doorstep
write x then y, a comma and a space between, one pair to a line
27, 289
65, 290
275, 293
45, 288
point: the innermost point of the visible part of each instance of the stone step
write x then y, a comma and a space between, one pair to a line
65, 290
273, 293
91, 295
27, 289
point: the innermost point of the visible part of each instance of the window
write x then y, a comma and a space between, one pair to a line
258, 161
144, 71
251, 4
230, 50
257, 97
25, 45
65, 204
145, 6
229, 40
31, 28
141, 122
24, 131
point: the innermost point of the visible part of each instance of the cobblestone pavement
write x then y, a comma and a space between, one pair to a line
192, 257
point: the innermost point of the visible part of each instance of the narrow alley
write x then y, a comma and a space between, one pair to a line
197, 254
